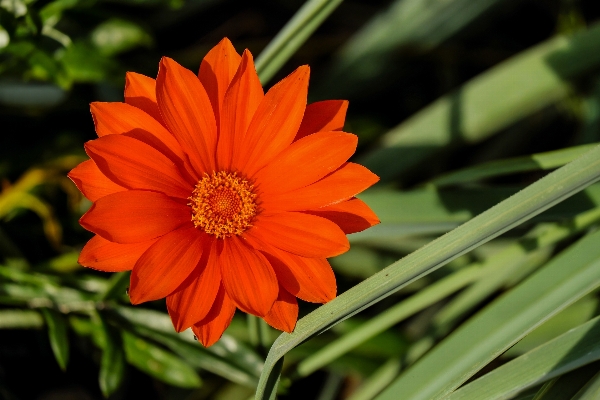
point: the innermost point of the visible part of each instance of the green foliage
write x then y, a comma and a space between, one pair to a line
486, 261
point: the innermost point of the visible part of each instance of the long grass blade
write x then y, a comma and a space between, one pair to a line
571, 350
293, 35
531, 201
489, 102
565, 279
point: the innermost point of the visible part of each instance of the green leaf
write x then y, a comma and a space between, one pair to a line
377, 381
112, 363
571, 350
293, 35
57, 332
378, 324
20, 319
530, 251
493, 169
489, 102
228, 357
415, 24
591, 391
567, 385
529, 202
159, 363
117, 286
431, 211
565, 279
116, 36
572, 316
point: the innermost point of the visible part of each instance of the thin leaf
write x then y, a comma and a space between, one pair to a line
591, 390
569, 318
502, 267
489, 102
57, 332
531, 201
565, 279
571, 350
117, 286
387, 319
377, 381
535, 162
20, 319
112, 363
227, 358
567, 385
159, 363
417, 25
431, 211
293, 35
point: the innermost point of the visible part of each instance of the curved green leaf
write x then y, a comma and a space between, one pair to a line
159, 363
228, 357
565, 279
531, 201
57, 332
575, 348
493, 169
293, 35
20, 319
489, 102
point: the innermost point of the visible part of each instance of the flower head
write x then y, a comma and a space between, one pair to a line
218, 196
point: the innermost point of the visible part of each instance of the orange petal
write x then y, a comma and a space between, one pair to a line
248, 277
100, 254
310, 279
165, 265
192, 301
217, 70
352, 215
135, 216
284, 313
140, 92
188, 114
239, 105
275, 122
121, 118
302, 234
136, 165
211, 328
328, 115
311, 158
339, 186
91, 182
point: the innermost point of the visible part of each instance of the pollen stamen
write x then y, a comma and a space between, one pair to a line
223, 204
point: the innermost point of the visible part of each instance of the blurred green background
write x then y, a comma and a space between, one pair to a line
434, 86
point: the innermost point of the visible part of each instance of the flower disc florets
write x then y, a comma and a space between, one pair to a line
223, 204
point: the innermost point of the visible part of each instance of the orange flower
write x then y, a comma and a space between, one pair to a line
218, 196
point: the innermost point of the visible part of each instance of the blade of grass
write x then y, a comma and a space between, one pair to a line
567, 385
575, 348
431, 211
159, 363
293, 35
415, 24
488, 103
531, 201
57, 332
20, 319
534, 162
561, 282
378, 380
501, 271
227, 358
426, 297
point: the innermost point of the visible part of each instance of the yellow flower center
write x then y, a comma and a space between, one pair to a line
223, 204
